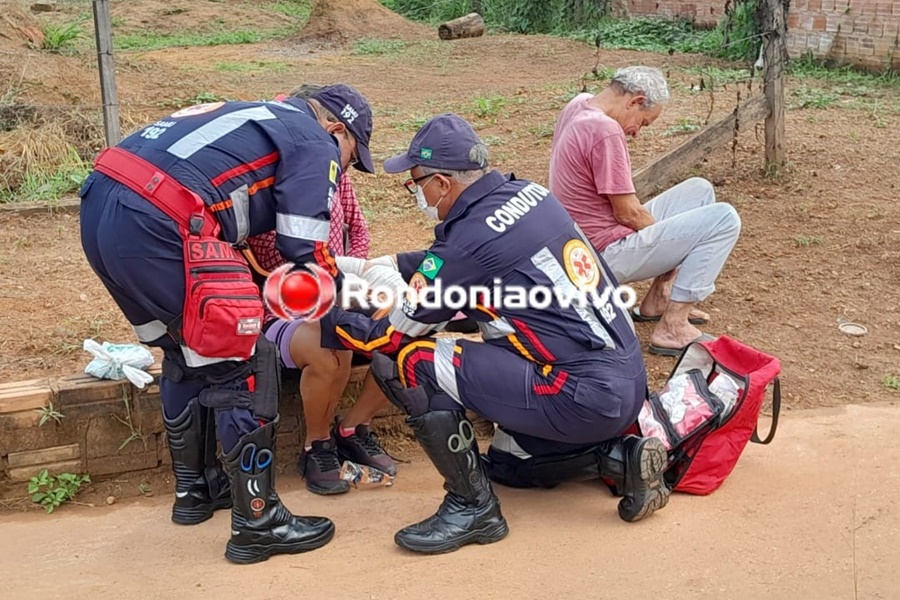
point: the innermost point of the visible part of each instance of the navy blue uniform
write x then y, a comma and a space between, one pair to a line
258, 166
570, 374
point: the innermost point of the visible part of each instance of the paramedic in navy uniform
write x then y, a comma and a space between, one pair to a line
570, 380
257, 166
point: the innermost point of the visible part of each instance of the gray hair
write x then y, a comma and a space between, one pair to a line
305, 91
644, 81
478, 154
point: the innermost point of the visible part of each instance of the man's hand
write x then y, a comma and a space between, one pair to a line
629, 211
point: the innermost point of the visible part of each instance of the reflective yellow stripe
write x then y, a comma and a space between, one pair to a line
401, 357
511, 337
546, 370
366, 347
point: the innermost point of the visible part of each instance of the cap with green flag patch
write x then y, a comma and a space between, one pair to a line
446, 141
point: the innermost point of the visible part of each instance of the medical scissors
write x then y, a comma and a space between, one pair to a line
253, 463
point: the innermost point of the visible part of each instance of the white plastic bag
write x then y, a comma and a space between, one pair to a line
119, 361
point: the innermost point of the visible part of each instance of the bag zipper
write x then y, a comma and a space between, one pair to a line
663, 418
745, 383
219, 269
226, 280
205, 300
714, 402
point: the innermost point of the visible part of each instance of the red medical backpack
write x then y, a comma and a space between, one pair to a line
708, 410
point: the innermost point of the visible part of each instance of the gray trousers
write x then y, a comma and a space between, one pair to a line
693, 233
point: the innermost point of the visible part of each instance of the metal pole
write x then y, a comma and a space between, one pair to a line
103, 30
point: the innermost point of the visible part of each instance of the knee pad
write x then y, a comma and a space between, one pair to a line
413, 401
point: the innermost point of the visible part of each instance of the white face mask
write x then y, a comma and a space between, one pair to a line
431, 211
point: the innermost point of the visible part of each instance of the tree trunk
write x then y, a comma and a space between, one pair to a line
471, 25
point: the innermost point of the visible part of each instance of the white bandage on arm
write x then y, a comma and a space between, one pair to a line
388, 260
350, 265
384, 276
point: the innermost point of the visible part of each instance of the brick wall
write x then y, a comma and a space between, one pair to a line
865, 33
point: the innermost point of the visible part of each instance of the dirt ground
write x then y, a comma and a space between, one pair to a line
814, 516
819, 245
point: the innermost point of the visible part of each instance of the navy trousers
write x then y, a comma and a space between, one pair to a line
569, 404
136, 251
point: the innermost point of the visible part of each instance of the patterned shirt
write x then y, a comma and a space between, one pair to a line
345, 211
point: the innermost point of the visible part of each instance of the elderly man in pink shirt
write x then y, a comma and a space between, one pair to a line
681, 238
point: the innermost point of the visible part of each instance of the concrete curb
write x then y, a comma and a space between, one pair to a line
67, 206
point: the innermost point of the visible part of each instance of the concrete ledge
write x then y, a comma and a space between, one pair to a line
109, 428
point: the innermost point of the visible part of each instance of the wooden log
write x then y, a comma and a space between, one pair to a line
673, 164
471, 25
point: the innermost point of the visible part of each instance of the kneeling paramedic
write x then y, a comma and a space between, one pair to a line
572, 375
162, 217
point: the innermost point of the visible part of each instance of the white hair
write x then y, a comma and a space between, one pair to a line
478, 154
644, 81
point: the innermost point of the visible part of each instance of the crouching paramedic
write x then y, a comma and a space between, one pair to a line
570, 375
160, 216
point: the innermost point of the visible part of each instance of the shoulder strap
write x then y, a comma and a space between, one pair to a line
776, 409
181, 204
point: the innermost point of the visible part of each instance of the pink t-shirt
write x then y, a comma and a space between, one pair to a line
588, 161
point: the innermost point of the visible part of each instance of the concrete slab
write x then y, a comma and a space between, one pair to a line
814, 515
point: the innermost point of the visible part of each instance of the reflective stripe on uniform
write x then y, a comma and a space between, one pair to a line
444, 370
496, 329
151, 331
547, 263
303, 228
217, 129
240, 199
504, 442
408, 326
194, 360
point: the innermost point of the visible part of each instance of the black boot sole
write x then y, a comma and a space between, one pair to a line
194, 515
247, 555
654, 459
487, 535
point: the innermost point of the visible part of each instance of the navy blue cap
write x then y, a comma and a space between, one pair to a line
353, 110
444, 142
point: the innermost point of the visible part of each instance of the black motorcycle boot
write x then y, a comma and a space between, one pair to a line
261, 526
201, 484
470, 512
637, 466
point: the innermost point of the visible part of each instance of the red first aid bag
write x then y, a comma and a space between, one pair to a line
223, 309
708, 410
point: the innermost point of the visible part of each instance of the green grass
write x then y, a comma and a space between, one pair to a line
60, 38
152, 41
845, 77
297, 9
808, 97
488, 106
254, 66
44, 185
892, 382
802, 241
367, 47
683, 126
